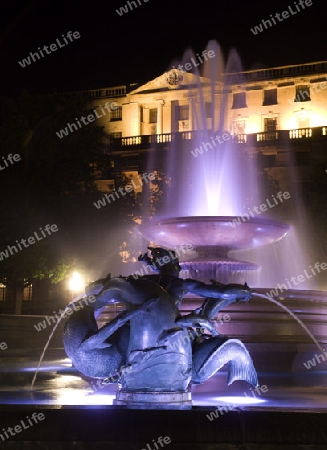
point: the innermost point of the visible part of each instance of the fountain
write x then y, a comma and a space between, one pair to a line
216, 189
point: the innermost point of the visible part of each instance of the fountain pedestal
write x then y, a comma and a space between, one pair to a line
155, 400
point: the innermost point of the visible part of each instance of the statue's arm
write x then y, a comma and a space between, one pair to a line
206, 290
218, 295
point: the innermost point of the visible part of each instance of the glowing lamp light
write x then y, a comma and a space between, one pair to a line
240, 400
81, 397
76, 282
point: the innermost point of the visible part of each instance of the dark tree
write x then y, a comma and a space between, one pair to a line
52, 182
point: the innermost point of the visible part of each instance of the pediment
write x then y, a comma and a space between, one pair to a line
172, 79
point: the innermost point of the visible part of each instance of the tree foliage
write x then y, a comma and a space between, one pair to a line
52, 183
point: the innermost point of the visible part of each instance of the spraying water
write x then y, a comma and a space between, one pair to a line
218, 179
46, 346
299, 321
68, 307
211, 175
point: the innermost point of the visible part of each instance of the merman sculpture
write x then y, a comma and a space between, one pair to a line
146, 348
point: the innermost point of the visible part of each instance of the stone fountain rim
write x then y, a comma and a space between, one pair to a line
253, 232
193, 219
219, 261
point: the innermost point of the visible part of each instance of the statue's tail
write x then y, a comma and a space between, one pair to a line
213, 354
242, 368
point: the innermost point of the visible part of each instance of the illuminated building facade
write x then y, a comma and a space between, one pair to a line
280, 112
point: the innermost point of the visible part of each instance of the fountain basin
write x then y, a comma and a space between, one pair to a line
215, 231
212, 238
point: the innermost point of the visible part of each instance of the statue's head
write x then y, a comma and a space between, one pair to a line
163, 261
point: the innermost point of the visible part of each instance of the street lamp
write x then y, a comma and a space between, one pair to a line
76, 283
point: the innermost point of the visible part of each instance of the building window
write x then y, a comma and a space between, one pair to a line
208, 110
269, 161
271, 128
27, 293
283, 158
2, 292
239, 136
153, 115
269, 97
303, 122
116, 114
302, 158
239, 127
302, 93
114, 136
182, 112
239, 100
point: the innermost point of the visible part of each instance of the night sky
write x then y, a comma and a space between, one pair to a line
142, 43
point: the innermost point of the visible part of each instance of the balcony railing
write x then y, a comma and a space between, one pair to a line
263, 138
301, 133
239, 138
165, 138
268, 136
315, 68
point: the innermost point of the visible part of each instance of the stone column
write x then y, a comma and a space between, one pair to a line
159, 117
190, 113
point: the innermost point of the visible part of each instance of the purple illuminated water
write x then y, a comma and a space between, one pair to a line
224, 180
221, 181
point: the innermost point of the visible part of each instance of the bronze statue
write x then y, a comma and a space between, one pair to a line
147, 347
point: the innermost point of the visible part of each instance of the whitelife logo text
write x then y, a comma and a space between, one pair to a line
12, 431
53, 47
128, 188
284, 14
131, 5
31, 240
10, 159
262, 208
296, 280
86, 120
75, 306
190, 65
